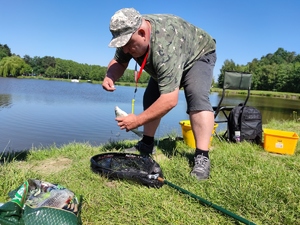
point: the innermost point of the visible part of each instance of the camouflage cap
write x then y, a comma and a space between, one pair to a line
122, 25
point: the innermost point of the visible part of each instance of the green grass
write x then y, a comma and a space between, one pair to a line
246, 180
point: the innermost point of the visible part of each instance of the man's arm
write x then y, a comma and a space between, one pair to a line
160, 107
114, 71
156, 111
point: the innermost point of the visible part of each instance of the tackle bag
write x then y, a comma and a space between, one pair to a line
40, 202
140, 168
245, 121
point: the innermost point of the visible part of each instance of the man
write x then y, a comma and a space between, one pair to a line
176, 54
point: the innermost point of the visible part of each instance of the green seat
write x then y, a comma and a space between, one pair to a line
232, 81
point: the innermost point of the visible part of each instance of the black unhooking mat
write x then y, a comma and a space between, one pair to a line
139, 168
40, 202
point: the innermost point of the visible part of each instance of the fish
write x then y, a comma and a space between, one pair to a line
44, 194
120, 113
57, 199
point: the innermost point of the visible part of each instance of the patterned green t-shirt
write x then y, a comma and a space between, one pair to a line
175, 46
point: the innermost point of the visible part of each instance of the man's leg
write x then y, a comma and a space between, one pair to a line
196, 84
202, 125
150, 128
146, 145
150, 96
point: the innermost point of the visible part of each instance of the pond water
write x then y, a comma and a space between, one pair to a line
39, 113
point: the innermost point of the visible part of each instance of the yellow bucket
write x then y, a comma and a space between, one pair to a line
188, 135
279, 141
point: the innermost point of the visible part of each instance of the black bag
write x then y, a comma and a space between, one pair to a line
248, 121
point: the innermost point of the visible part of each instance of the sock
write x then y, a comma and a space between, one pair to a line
201, 152
148, 140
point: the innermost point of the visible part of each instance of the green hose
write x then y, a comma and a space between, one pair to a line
241, 219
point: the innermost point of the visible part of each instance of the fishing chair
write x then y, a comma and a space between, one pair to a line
232, 81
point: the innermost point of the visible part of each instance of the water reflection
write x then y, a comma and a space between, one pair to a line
5, 101
270, 108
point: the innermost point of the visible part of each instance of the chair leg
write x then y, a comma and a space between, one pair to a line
218, 136
225, 135
222, 137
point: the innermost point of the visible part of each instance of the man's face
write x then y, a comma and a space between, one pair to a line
137, 45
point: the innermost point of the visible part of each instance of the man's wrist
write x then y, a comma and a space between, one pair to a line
110, 77
139, 119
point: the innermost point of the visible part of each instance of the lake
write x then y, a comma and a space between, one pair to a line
39, 113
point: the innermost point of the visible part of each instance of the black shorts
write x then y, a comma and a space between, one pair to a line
196, 84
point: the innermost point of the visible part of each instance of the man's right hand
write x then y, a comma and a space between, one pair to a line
108, 84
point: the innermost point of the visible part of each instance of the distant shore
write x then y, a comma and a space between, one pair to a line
273, 94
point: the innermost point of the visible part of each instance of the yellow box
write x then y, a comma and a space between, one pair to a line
188, 135
282, 142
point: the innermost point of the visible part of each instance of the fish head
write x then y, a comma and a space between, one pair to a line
119, 112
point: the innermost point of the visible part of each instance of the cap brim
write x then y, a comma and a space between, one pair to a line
120, 41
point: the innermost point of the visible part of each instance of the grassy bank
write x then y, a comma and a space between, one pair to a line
246, 180
82, 81
273, 94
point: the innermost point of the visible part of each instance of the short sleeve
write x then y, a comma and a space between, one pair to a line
121, 57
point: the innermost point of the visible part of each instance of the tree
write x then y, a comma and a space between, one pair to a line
4, 51
47, 61
297, 59
13, 66
278, 71
28, 59
144, 78
35, 63
50, 72
283, 56
253, 65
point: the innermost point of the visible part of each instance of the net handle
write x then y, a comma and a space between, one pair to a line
202, 200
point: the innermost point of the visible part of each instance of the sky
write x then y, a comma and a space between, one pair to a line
79, 30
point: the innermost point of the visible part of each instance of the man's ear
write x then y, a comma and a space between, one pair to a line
142, 32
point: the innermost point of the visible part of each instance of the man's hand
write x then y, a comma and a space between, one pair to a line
128, 122
114, 72
108, 84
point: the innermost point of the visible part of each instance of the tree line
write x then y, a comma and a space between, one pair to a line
279, 71
12, 65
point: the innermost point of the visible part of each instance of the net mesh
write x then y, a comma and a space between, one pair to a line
142, 169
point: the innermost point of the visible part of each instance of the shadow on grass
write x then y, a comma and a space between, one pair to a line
13, 156
117, 146
169, 146
174, 146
